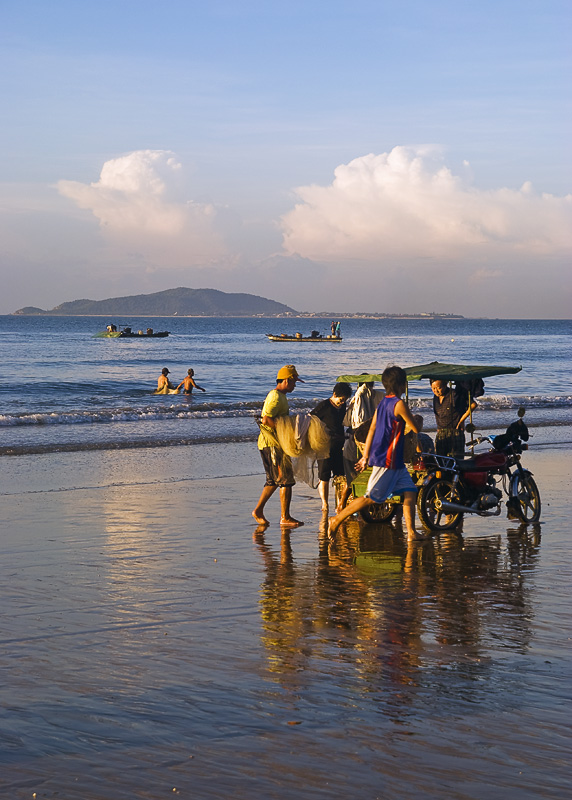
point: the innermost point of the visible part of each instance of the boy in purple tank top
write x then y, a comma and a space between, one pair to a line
384, 452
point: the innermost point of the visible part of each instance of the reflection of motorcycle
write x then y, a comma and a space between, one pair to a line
453, 488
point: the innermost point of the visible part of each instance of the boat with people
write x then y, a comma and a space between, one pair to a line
125, 332
315, 336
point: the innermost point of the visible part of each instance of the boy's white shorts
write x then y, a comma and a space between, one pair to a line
384, 483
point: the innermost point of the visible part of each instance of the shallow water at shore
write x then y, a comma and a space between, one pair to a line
154, 644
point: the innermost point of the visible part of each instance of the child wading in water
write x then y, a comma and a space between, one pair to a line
384, 452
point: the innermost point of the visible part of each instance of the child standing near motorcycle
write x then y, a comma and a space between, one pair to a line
384, 452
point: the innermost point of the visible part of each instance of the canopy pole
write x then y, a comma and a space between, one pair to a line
471, 419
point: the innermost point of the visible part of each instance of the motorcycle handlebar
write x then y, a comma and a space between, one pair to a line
480, 440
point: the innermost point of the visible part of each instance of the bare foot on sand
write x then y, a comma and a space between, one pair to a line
260, 519
290, 522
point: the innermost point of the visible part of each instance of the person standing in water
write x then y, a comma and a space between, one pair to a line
189, 383
163, 381
277, 465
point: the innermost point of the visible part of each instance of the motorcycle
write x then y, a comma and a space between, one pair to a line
454, 487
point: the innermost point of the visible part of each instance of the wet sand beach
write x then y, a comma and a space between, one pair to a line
154, 644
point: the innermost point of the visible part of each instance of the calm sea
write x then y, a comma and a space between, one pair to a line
64, 389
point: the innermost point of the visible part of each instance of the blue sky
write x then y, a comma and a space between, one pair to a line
285, 149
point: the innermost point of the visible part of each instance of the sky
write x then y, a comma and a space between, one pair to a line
367, 156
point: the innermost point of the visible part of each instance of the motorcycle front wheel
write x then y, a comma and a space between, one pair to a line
429, 500
525, 498
378, 512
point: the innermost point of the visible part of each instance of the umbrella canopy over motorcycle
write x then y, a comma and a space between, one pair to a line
468, 377
436, 370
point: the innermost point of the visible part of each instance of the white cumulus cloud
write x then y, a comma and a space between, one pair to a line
405, 204
137, 202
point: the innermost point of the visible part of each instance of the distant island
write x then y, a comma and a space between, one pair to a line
179, 302
184, 302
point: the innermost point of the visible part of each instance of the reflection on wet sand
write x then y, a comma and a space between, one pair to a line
284, 607
149, 643
402, 614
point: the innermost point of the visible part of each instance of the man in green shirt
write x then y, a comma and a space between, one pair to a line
277, 465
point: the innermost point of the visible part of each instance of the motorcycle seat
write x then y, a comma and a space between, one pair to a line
482, 462
469, 465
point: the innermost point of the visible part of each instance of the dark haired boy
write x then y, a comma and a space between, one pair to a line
416, 443
189, 383
384, 452
332, 412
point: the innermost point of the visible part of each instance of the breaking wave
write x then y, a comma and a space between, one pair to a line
197, 411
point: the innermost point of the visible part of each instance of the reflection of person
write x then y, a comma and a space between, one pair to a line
417, 443
332, 412
189, 383
163, 382
384, 452
451, 409
277, 465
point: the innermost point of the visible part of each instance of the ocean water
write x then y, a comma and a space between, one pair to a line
65, 389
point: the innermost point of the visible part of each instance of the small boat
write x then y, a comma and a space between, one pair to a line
125, 332
314, 337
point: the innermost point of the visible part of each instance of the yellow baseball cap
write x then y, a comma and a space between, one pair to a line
289, 371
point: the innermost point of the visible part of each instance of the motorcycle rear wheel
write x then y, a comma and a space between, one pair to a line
526, 498
433, 517
378, 512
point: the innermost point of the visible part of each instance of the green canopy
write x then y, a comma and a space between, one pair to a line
364, 378
436, 370
456, 372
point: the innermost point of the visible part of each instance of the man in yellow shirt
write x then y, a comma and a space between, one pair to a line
277, 465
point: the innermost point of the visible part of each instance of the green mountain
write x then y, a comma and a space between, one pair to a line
181, 302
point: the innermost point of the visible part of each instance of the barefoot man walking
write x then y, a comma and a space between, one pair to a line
277, 465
